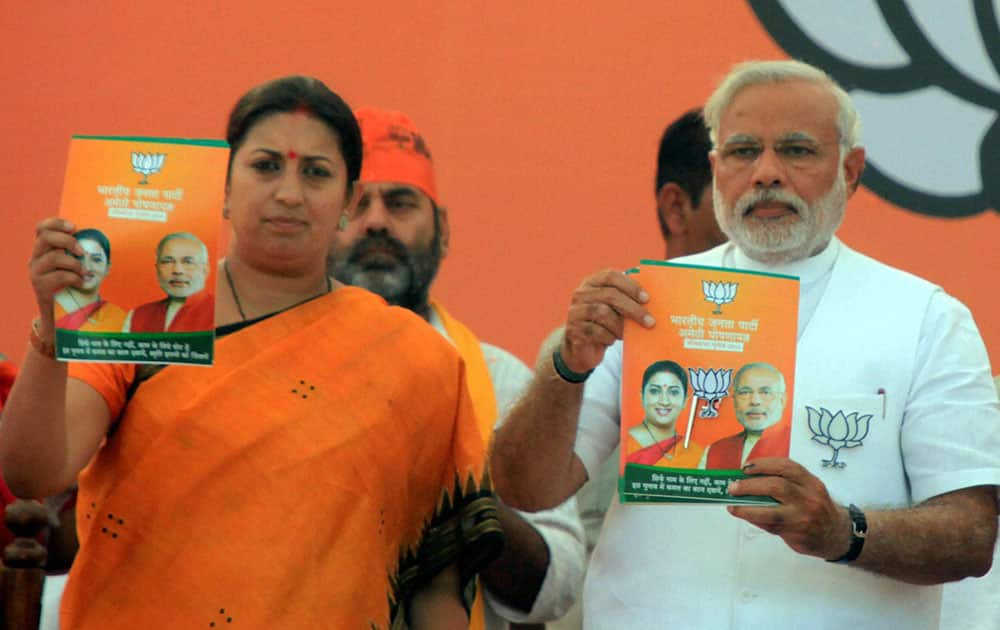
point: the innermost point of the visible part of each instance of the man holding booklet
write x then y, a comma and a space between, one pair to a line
910, 505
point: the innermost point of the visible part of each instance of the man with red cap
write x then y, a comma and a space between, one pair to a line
393, 246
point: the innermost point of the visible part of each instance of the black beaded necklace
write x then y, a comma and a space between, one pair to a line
236, 296
668, 453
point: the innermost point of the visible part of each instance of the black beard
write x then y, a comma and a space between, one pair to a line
419, 268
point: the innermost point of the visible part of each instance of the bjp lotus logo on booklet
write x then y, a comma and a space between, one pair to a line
719, 293
837, 430
147, 164
711, 386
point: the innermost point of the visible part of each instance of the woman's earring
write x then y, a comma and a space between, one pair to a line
342, 225
225, 212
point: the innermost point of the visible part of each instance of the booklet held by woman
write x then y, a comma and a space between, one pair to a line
148, 214
710, 386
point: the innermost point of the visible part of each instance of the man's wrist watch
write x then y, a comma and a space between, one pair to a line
859, 531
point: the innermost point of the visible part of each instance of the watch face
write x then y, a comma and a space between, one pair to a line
859, 524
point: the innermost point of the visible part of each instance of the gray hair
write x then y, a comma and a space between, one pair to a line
762, 365
748, 73
187, 236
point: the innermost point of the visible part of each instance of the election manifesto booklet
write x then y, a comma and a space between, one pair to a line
709, 386
147, 214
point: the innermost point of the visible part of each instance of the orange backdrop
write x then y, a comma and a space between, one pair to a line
543, 118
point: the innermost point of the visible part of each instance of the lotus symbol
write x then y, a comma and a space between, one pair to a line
147, 164
719, 293
710, 385
925, 77
837, 431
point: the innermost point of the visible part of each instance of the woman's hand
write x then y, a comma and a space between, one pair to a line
54, 264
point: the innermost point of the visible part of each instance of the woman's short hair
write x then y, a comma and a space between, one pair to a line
92, 234
291, 94
666, 366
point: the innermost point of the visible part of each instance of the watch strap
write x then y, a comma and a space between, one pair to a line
859, 531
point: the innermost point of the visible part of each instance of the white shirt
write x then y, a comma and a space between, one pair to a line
974, 603
559, 527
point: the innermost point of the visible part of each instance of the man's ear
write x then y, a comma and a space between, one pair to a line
674, 205
354, 199
854, 166
444, 229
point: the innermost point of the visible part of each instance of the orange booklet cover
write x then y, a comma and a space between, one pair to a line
710, 385
148, 214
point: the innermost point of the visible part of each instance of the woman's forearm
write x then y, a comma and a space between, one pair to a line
33, 440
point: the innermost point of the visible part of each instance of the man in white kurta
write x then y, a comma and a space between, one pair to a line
872, 340
748, 575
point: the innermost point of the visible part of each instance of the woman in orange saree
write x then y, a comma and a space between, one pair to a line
326, 472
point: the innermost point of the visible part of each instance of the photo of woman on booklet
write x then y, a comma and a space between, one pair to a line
656, 441
82, 307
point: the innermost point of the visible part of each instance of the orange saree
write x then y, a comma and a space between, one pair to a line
668, 453
98, 317
314, 477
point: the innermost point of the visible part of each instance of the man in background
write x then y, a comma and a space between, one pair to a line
684, 188
393, 247
181, 270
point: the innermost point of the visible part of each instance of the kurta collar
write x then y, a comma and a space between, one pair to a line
808, 271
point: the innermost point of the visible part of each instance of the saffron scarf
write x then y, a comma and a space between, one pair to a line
483, 401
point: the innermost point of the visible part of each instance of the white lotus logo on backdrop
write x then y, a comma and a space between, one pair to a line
147, 164
719, 293
925, 77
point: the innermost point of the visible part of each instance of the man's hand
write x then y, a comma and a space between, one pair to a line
947, 537
437, 605
807, 519
596, 317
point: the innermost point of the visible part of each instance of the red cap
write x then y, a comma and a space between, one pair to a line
394, 151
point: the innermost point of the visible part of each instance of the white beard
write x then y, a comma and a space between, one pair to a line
777, 241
